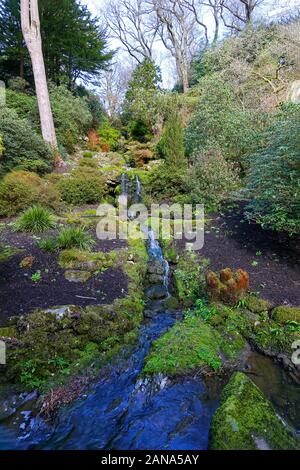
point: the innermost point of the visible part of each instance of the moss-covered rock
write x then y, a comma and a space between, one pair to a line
246, 420
256, 305
171, 303
189, 345
194, 344
284, 314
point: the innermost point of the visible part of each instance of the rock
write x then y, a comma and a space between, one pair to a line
256, 305
155, 279
172, 303
294, 92
77, 276
157, 292
156, 267
246, 420
285, 313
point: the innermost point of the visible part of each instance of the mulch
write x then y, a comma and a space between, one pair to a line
20, 295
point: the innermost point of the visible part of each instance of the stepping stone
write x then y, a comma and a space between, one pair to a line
77, 276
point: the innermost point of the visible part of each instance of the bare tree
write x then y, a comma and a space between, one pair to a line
200, 8
30, 22
113, 88
236, 14
132, 23
179, 33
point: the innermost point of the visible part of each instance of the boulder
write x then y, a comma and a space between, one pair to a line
246, 420
77, 276
157, 292
156, 267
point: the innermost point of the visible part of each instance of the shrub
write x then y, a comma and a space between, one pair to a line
88, 154
109, 135
24, 148
36, 220
273, 182
210, 178
49, 244
190, 277
170, 146
72, 116
88, 162
74, 237
221, 120
21, 189
93, 140
165, 182
83, 186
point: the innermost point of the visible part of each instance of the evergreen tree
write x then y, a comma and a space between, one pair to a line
171, 145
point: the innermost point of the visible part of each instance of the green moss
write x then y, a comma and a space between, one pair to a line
77, 259
7, 252
255, 304
171, 303
247, 421
284, 314
188, 345
190, 278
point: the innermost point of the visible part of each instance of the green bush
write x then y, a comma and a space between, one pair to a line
88, 163
88, 154
21, 189
110, 135
25, 105
74, 237
83, 186
165, 182
72, 117
274, 176
24, 148
171, 146
220, 119
35, 220
210, 179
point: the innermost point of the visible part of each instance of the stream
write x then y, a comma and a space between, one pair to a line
124, 411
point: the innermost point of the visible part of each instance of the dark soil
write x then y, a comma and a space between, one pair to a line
231, 241
21, 295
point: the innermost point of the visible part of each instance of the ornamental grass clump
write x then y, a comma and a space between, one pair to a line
36, 219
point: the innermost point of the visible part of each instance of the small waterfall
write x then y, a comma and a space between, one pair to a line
138, 194
155, 253
154, 248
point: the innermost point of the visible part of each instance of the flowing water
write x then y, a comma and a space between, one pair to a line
124, 411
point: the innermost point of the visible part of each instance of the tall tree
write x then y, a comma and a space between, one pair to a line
132, 22
30, 22
236, 14
178, 33
74, 43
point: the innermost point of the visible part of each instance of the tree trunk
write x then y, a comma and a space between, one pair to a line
32, 35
